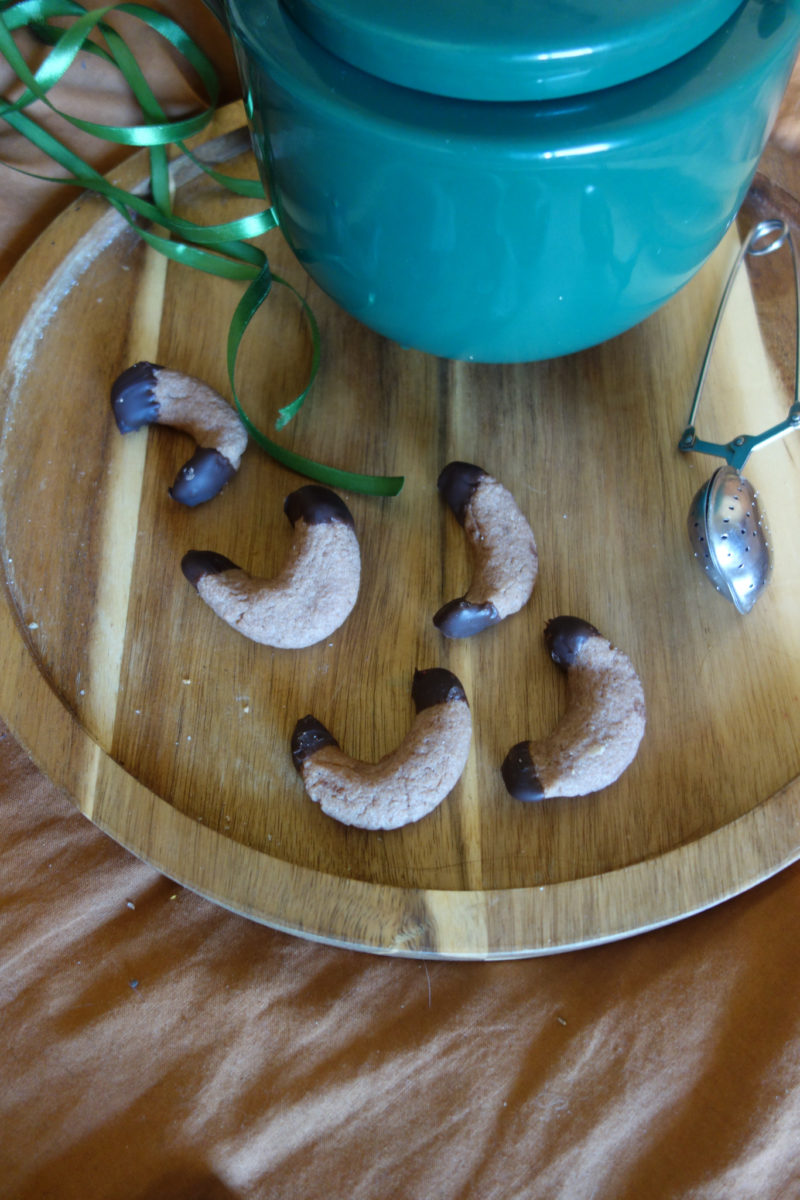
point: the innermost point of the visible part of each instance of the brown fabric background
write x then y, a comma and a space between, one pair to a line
155, 1046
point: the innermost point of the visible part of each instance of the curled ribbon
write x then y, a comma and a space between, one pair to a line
222, 250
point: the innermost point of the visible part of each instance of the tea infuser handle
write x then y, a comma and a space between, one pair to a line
765, 237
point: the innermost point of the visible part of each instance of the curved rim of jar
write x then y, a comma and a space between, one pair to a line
628, 115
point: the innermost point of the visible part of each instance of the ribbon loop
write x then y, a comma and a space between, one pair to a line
224, 249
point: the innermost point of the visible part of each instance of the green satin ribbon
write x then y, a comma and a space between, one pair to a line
224, 249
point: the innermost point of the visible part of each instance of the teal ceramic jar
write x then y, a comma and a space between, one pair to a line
508, 180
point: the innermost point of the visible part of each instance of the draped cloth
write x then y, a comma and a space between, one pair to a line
157, 1047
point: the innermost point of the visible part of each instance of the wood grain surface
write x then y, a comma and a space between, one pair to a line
171, 731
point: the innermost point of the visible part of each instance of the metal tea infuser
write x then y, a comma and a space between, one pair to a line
727, 528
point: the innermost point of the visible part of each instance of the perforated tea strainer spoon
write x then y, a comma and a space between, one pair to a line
727, 528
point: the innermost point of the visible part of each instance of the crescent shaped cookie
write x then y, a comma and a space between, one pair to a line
406, 784
146, 394
599, 734
309, 598
504, 556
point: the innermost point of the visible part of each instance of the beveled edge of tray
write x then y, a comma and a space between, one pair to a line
404, 922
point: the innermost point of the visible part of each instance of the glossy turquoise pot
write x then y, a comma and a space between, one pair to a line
505, 229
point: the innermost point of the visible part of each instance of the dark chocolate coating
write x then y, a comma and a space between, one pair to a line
564, 637
197, 563
519, 774
133, 400
309, 736
202, 477
461, 619
316, 505
457, 483
435, 686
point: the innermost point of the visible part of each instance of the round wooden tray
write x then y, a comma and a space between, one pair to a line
171, 732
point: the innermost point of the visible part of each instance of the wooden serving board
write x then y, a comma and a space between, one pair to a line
171, 732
